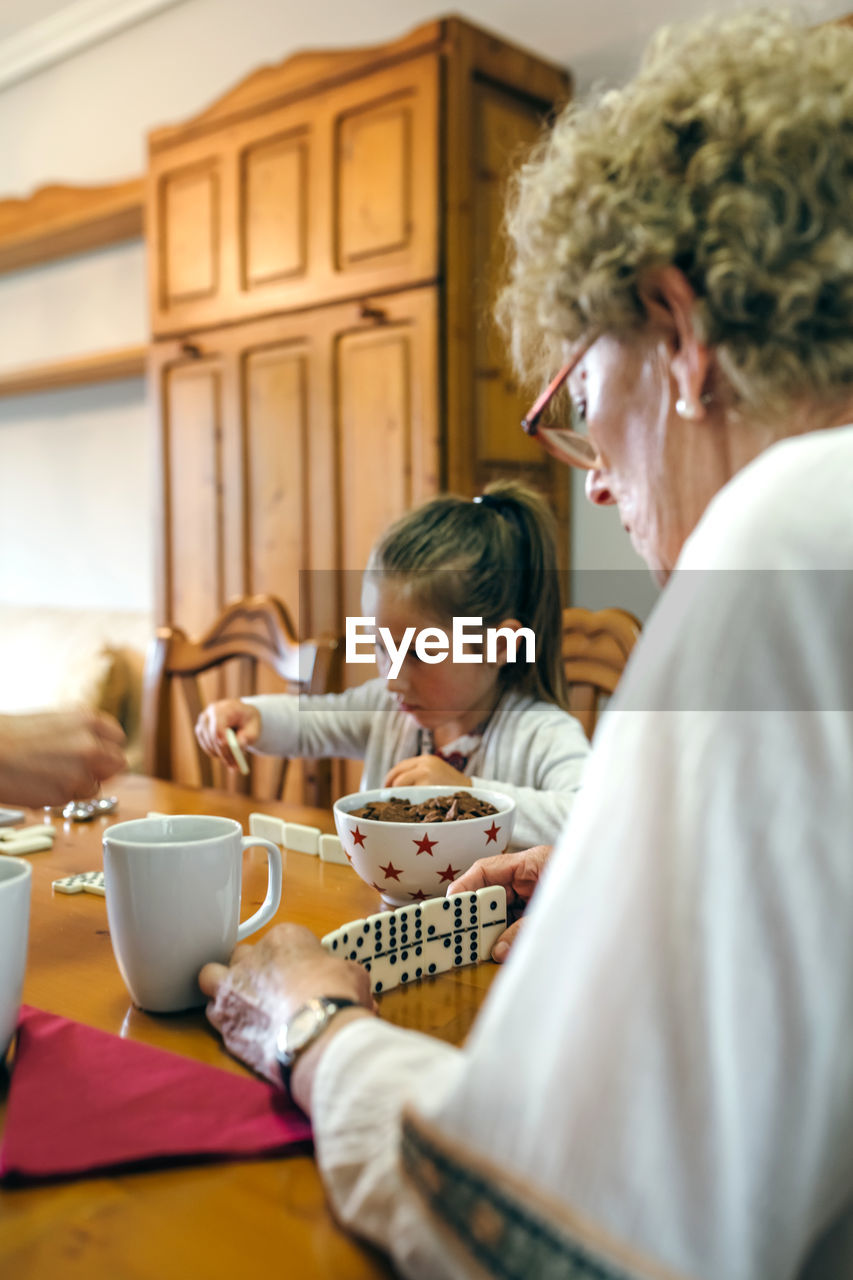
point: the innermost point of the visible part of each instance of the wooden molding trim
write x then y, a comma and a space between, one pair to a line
56, 221
104, 366
312, 71
76, 26
316, 70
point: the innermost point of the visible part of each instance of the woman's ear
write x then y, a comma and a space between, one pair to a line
670, 303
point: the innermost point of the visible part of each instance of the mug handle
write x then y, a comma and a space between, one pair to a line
269, 906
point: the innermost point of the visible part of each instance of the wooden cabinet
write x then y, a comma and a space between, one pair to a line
321, 281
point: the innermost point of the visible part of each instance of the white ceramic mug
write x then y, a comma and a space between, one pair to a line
173, 889
16, 876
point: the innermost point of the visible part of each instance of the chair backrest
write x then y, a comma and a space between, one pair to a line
596, 647
251, 648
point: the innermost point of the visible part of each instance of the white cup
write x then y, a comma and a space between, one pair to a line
16, 877
173, 902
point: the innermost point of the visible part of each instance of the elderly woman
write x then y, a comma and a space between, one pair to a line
661, 1081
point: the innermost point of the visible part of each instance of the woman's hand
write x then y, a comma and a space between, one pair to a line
264, 984
229, 713
55, 756
519, 874
425, 771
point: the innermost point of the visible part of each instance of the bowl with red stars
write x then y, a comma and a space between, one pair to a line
410, 843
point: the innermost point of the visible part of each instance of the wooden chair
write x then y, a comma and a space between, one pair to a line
596, 646
252, 648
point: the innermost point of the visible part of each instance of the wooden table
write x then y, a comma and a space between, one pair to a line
264, 1218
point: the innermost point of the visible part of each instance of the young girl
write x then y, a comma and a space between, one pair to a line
499, 724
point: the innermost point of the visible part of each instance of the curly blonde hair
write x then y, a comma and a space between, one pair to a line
730, 155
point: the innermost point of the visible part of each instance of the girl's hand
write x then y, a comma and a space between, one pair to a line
425, 771
230, 713
519, 874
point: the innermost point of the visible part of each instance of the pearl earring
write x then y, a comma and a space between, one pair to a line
687, 409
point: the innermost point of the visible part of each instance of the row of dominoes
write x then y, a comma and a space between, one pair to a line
296, 837
424, 938
17, 840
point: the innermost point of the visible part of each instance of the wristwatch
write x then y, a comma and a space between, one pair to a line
302, 1029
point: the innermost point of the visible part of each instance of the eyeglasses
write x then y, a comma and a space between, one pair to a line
561, 442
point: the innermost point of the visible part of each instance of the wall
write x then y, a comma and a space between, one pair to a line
76, 467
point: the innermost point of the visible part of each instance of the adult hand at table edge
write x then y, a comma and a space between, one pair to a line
50, 757
264, 984
227, 713
518, 873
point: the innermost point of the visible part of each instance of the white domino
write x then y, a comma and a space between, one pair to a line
20, 833
331, 850
301, 839
424, 938
85, 882
266, 827
236, 751
26, 844
352, 941
493, 918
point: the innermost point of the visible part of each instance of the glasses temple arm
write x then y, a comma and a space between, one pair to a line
530, 423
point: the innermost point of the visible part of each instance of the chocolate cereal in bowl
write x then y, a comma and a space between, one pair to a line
410, 843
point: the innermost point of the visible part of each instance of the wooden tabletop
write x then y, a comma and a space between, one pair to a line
264, 1218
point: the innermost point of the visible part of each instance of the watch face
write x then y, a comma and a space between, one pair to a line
301, 1027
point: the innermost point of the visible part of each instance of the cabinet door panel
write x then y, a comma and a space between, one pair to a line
374, 416
193, 482
387, 429
505, 125
189, 225
275, 398
374, 167
274, 212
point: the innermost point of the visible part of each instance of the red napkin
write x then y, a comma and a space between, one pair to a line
83, 1100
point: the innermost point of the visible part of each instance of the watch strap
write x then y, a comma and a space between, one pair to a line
332, 1005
